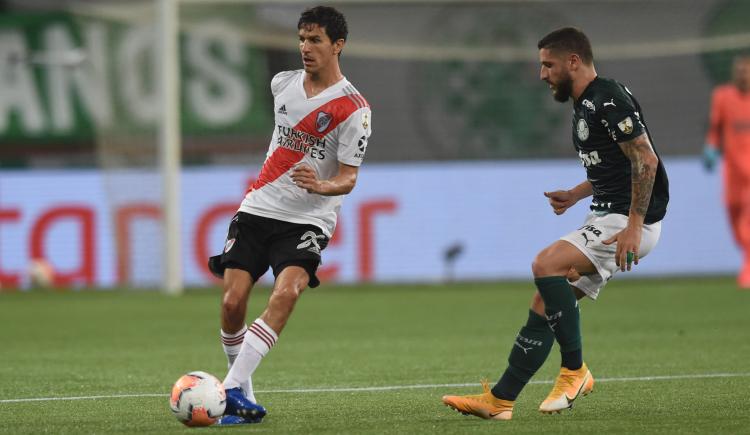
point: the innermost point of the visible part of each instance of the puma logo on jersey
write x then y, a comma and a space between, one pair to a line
310, 241
610, 103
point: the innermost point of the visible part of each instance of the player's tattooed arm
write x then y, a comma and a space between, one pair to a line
643, 163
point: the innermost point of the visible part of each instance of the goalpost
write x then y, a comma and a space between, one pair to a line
169, 142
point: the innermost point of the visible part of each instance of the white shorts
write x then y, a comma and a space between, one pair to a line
588, 239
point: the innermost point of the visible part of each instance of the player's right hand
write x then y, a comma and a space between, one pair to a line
710, 156
560, 200
305, 177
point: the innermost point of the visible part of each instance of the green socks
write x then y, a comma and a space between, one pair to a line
534, 341
530, 350
563, 317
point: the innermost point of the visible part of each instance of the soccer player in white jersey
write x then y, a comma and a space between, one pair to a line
289, 213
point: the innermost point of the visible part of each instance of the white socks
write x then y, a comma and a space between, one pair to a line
232, 343
258, 340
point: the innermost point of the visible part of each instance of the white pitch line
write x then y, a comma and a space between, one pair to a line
385, 388
110, 396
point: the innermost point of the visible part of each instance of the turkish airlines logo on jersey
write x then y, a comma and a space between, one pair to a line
323, 121
297, 140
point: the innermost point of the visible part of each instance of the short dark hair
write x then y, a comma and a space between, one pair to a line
327, 17
571, 40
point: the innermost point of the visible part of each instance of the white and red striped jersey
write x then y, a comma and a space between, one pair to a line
321, 131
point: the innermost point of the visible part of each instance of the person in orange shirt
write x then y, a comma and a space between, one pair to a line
729, 134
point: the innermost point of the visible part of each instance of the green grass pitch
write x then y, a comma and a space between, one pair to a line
693, 335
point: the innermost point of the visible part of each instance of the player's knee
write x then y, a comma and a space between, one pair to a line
289, 292
233, 302
545, 264
291, 286
236, 291
539, 267
235, 297
537, 303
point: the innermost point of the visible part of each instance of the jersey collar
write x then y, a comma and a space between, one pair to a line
331, 89
586, 90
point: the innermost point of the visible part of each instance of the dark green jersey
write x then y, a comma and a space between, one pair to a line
607, 113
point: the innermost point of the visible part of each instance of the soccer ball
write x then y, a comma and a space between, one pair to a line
198, 399
41, 273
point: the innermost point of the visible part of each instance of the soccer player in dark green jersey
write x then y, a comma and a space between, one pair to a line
629, 186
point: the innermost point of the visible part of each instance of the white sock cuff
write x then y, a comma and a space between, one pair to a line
267, 328
235, 339
261, 337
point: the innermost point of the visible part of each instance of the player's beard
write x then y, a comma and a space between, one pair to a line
563, 90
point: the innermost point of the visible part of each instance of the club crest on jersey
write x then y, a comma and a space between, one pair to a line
626, 125
323, 121
582, 129
310, 241
228, 245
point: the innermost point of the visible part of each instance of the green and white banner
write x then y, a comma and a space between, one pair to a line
67, 77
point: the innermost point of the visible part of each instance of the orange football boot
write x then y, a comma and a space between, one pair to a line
483, 405
568, 386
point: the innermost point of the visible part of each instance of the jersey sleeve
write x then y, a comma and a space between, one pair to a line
281, 80
620, 116
353, 137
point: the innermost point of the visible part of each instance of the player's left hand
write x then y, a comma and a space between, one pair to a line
306, 178
628, 242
